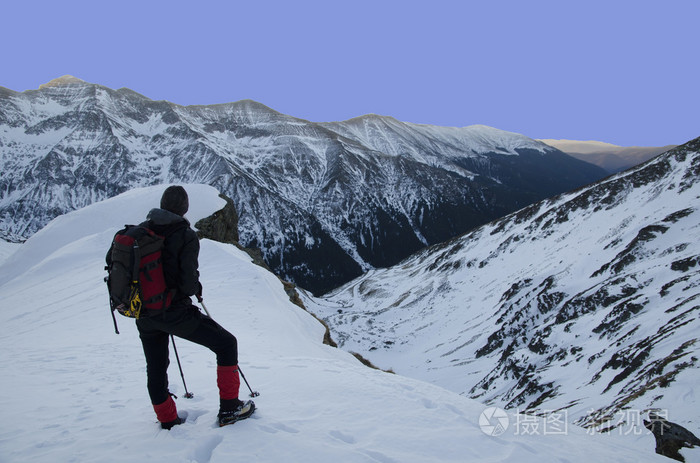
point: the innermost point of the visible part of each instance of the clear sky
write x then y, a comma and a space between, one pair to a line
622, 72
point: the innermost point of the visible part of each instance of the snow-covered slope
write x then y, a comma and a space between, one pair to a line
586, 303
75, 391
7, 249
323, 202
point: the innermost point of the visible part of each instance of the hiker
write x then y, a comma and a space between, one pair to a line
183, 319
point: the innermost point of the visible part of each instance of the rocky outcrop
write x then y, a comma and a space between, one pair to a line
670, 437
221, 226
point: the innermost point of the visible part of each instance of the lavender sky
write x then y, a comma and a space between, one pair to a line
622, 72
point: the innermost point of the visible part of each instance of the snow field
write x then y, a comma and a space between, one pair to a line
75, 391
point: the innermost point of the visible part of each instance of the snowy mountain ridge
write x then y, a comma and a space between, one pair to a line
585, 303
75, 391
323, 201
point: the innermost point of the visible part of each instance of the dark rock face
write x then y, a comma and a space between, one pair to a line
222, 225
670, 437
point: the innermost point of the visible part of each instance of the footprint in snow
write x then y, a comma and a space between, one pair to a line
204, 450
348, 439
192, 415
273, 428
427, 403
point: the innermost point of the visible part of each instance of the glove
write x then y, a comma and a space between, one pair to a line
199, 292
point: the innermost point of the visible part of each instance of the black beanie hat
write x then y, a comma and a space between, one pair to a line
175, 200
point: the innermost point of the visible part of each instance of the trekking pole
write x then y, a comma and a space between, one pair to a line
188, 395
252, 393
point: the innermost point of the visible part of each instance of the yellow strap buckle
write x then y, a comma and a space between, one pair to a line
135, 302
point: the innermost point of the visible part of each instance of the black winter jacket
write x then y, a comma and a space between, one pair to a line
180, 254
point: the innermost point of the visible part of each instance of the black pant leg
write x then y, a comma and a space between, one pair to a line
155, 349
192, 325
210, 334
189, 324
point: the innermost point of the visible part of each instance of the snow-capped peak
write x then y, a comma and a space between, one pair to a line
63, 81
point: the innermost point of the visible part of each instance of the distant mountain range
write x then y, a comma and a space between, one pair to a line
586, 303
324, 202
612, 158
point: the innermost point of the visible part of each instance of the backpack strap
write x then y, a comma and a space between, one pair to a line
137, 262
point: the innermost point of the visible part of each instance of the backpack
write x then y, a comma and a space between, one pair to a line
135, 278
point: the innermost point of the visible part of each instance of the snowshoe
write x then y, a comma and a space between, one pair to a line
241, 412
